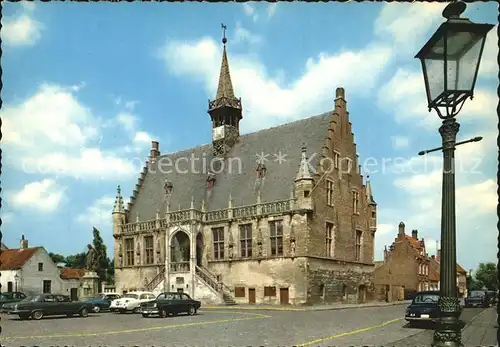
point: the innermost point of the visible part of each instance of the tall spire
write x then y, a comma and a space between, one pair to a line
303, 173
369, 193
119, 206
225, 110
225, 88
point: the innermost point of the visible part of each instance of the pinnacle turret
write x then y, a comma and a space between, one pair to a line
369, 192
119, 206
303, 173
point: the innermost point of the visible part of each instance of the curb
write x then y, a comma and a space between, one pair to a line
312, 308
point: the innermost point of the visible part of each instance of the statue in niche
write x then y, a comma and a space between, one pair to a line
292, 247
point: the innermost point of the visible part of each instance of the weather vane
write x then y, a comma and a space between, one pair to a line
224, 40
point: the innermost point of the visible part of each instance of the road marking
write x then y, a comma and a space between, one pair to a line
348, 333
159, 327
256, 308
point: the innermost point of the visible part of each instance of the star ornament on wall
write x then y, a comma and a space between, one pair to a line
261, 157
280, 157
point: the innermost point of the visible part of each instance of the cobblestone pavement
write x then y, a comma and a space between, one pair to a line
215, 327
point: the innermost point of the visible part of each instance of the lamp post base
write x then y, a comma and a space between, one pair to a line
449, 328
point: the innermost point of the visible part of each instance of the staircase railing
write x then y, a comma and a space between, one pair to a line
157, 279
211, 280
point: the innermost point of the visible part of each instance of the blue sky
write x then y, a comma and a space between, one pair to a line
88, 86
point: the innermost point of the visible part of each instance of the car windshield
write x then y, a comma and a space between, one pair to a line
31, 298
477, 293
426, 298
131, 296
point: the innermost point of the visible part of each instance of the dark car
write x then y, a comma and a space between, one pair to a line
42, 305
9, 298
492, 296
423, 308
101, 302
170, 303
477, 298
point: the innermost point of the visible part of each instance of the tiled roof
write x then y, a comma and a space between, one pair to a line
242, 186
67, 273
14, 259
461, 269
413, 242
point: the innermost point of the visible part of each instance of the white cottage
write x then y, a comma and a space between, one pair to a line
31, 270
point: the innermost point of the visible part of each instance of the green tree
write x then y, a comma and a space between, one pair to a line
472, 284
76, 261
57, 258
103, 260
486, 276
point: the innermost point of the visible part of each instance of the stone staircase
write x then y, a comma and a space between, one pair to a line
156, 280
210, 280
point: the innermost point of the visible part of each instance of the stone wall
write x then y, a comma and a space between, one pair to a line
331, 281
271, 272
134, 278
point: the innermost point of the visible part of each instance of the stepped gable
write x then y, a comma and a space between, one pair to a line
277, 184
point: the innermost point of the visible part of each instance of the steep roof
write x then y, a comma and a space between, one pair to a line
241, 185
67, 273
433, 274
14, 259
415, 243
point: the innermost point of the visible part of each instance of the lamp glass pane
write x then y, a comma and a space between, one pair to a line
464, 49
434, 74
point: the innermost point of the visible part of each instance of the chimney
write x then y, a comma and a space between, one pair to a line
155, 151
24, 243
438, 256
414, 234
385, 252
401, 231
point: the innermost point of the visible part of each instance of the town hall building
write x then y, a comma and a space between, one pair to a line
278, 216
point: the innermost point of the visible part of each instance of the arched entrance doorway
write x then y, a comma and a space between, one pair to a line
361, 294
179, 252
199, 249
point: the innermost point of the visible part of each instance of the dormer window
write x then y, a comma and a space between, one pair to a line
210, 180
261, 170
168, 186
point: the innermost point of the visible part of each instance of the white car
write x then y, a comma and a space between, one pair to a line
131, 302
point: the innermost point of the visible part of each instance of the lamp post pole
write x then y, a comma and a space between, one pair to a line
450, 63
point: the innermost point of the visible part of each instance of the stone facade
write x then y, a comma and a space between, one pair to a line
405, 266
300, 232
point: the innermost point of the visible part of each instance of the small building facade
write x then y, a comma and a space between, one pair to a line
461, 275
279, 216
31, 270
405, 268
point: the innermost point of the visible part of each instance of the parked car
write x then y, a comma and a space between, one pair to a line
168, 303
42, 305
423, 308
10, 298
492, 296
477, 298
101, 301
131, 302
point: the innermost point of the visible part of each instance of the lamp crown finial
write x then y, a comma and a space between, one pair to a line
454, 9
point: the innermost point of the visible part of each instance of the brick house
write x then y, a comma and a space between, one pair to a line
461, 275
295, 226
405, 268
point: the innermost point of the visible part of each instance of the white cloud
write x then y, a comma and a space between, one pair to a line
51, 132
268, 102
99, 213
408, 26
399, 142
385, 229
28, 5
271, 10
21, 31
489, 64
244, 35
44, 195
250, 11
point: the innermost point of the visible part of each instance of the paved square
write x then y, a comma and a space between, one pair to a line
215, 327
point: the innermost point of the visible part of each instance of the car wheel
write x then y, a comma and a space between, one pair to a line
23, 316
96, 309
69, 315
191, 311
145, 315
84, 312
163, 313
37, 315
122, 310
136, 310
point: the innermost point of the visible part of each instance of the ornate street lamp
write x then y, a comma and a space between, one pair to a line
450, 63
